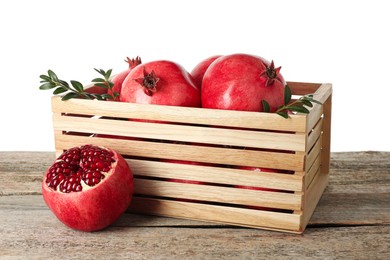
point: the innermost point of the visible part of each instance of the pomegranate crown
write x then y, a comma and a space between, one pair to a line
148, 82
133, 62
271, 73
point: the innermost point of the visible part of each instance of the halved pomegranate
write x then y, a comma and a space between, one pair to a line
88, 187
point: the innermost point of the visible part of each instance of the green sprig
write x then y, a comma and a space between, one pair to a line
300, 105
76, 89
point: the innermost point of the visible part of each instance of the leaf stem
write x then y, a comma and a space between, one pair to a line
75, 89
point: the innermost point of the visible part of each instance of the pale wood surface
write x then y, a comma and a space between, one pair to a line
352, 221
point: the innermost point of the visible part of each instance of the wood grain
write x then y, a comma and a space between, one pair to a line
351, 221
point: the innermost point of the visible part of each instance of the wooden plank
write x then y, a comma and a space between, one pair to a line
207, 193
220, 214
313, 135
171, 132
34, 233
326, 128
313, 195
271, 121
303, 88
220, 175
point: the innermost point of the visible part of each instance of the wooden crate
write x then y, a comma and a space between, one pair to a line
219, 141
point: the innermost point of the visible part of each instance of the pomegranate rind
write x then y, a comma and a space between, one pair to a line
95, 208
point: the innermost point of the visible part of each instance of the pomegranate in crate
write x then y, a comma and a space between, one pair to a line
241, 82
161, 83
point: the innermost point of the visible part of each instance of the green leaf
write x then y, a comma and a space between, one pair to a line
266, 107
283, 114
77, 86
100, 71
59, 90
48, 85
306, 102
108, 74
287, 95
64, 83
98, 80
102, 85
316, 101
46, 78
110, 84
299, 109
70, 95
52, 75
107, 96
98, 97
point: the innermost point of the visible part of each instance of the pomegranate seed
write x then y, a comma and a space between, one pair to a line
79, 164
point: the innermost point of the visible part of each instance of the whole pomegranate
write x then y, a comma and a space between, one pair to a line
160, 82
241, 82
199, 70
120, 77
88, 187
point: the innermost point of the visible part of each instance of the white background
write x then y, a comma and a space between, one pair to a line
341, 42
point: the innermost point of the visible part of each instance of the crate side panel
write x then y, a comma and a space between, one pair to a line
312, 196
219, 214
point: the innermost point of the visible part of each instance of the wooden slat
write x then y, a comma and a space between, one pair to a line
326, 136
303, 88
221, 175
313, 154
209, 193
270, 121
227, 215
313, 135
256, 139
313, 195
312, 171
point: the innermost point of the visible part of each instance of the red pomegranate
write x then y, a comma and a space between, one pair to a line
88, 187
160, 82
199, 70
120, 77
241, 82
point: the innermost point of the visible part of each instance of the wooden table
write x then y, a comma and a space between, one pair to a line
352, 220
